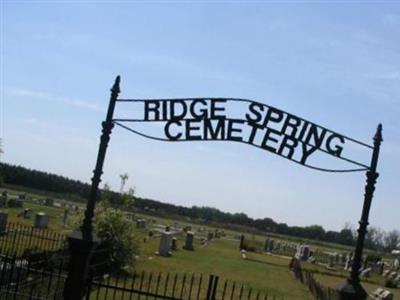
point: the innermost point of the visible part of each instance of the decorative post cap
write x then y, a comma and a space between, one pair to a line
378, 134
115, 88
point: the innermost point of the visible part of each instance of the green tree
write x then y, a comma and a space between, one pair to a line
117, 233
392, 240
346, 235
128, 200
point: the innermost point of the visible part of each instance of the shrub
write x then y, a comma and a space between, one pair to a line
117, 233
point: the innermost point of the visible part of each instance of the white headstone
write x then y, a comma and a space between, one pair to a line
381, 294
365, 273
165, 244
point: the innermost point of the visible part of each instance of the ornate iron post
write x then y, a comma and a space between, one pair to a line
82, 242
352, 289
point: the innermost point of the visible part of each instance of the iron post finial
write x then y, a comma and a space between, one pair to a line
115, 88
378, 134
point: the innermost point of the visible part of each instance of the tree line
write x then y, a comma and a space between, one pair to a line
76, 190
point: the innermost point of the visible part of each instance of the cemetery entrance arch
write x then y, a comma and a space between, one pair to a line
243, 121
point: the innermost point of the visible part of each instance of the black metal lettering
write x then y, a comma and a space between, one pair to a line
152, 106
215, 109
253, 132
189, 128
315, 136
168, 133
303, 131
214, 131
273, 115
268, 137
165, 110
293, 123
290, 144
336, 150
174, 114
203, 111
306, 152
254, 116
232, 130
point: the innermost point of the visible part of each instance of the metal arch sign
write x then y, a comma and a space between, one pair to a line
256, 124
244, 121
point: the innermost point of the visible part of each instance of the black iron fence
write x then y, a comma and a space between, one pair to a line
319, 291
20, 239
148, 285
24, 278
34, 262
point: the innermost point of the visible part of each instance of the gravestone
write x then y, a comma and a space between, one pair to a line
266, 245
41, 220
397, 279
189, 241
331, 261
3, 222
141, 223
347, 264
312, 260
380, 264
386, 273
243, 254
4, 199
165, 244
65, 217
365, 273
381, 294
392, 275
174, 244
396, 264
241, 245
271, 245
27, 213
303, 252
278, 246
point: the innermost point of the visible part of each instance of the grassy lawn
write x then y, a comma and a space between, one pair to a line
221, 257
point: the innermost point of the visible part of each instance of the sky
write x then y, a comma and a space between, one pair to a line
334, 63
